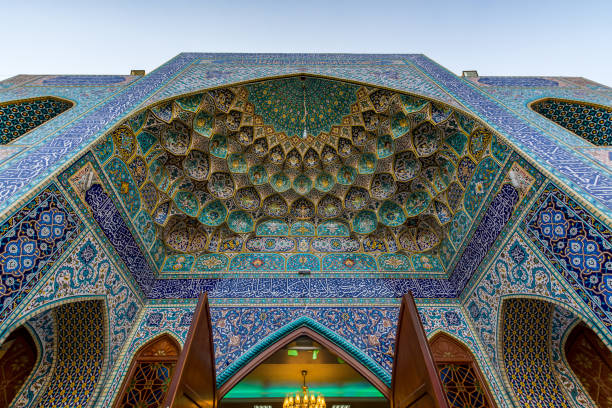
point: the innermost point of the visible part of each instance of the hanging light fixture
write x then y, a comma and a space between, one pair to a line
305, 399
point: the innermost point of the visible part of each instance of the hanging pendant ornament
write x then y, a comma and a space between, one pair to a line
305, 399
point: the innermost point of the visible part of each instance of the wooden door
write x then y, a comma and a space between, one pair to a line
415, 382
193, 383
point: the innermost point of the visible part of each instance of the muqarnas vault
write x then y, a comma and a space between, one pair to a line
305, 190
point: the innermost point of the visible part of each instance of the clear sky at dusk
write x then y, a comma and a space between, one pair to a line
512, 37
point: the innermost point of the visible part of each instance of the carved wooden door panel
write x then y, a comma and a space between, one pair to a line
193, 383
415, 382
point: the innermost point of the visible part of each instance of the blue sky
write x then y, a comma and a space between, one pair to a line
512, 37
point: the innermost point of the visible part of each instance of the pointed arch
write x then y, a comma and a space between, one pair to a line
19, 355
150, 372
591, 362
18, 117
589, 121
82, 353
525, 360
304, 326
461, 376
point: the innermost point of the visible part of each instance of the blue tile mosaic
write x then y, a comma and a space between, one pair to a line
574, 170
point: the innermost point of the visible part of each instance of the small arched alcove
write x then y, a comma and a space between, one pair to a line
463, 382
276, 372
589, 121
21, 116
147, 380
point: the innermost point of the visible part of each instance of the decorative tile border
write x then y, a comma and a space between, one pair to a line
25, 173
574, 170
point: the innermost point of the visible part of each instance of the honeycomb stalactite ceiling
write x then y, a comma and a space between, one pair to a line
375, 168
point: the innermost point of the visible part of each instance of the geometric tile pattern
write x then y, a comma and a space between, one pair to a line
149, 385
516, 270
88, 271
461, 385
80, 355
151, 371
591, 122
31, 241
577, 244
569, 166
376, 172
460, 376
525, 341
19, 117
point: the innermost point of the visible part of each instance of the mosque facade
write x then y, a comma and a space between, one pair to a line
305, 190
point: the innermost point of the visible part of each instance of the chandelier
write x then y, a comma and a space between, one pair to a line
305, 399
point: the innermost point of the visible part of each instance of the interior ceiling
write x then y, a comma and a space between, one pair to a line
280, 375
229, 169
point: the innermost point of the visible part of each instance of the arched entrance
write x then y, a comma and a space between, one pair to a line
591, 362
414, 382
461, 377
538, 367
147, 380
276, 373
18, 355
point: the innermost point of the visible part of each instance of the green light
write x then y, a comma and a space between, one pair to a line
314, 354
293, 353
246, 389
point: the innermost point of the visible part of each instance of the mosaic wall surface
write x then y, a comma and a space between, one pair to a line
31, 241
526, 326
519, 98
87, 271
230, 171
215, 70
80, 355
415, 197
84, 93
75, 131
588, 121
18, 118
240, 333
516, 270
577, 244
508, 115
